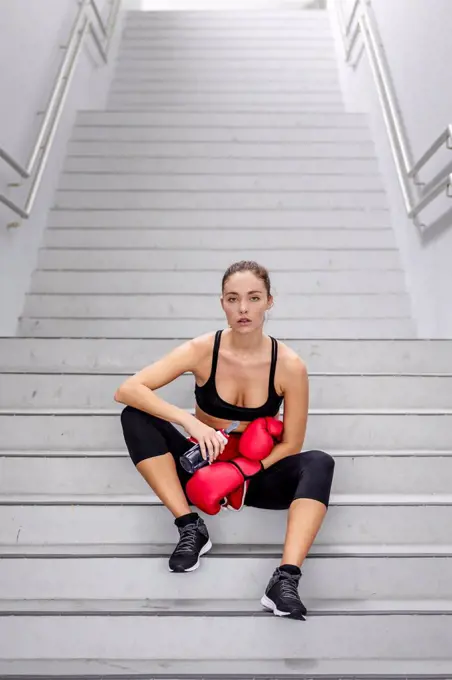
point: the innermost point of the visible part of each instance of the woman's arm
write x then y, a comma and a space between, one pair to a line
296, 404
138, 390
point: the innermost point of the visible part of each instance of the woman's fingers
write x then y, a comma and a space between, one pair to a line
203, 448
220, 444
211, 445
210, 450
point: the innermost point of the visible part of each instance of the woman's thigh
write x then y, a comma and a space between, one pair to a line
274, 489
147, 436
308, 474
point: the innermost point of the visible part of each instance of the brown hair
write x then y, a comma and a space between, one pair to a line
248, 266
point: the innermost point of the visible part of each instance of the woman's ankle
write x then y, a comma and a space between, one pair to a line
187, 518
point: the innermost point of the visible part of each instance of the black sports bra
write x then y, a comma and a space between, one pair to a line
210, 402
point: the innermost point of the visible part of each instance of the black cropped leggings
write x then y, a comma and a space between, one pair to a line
303, 475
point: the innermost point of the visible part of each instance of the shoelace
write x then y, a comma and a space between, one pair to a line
187, 541
289, 587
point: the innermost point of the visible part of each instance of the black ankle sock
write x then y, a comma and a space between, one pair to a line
291, 569
189, 518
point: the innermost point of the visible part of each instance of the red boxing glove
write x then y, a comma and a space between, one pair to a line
259, 438
236, 499
212, 484
209, 485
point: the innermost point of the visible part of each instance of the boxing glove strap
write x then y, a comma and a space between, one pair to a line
244, 475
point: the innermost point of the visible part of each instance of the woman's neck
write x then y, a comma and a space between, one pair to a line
251, 343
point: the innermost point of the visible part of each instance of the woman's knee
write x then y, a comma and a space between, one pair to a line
316, 472
132, 418
319, 460
141, 434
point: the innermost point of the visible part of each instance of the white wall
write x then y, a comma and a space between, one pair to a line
416, 38
30, 54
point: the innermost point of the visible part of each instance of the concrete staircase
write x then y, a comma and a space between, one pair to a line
225, 138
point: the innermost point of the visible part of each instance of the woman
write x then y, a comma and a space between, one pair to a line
241, 374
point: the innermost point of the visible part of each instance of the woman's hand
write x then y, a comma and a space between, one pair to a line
211, 443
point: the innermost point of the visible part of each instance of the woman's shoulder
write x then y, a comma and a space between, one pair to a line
290, 362
203, 344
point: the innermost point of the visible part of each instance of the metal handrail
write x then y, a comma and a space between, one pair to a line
444, 138
361, 22
83, 24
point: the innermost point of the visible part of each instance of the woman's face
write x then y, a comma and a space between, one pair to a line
245, 301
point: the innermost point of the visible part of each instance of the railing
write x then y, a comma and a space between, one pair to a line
416, 194
88, 20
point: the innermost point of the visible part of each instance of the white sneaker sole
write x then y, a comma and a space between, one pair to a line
203, 551
270, 605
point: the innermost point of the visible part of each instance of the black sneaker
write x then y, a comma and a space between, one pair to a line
194, 541
281, 595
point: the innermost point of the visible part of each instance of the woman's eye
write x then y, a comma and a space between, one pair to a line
255, 297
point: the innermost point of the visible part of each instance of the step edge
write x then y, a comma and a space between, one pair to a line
92, 412
98, 551
349, 500
81, 607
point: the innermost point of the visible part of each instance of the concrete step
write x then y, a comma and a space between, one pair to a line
290, 27
216, 16
225, 134
229, 101
198, 282
257, 23
216, 607
210, 200
213, 219
209, 36
283, 259
322, 94
224, 47
218, 166
218, 183
233, 17
230, 49
276, 50
262, 551
294, 668
152, 306
218, 34
201, 34
195, 70
224, 150
263, 61
153, 328
43, 476
327, 391
309, 239
91, 430
127, 356
206, 76
210, 103
148, 499
292, 35
145, 635
201, 119
366, 581
93, 522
